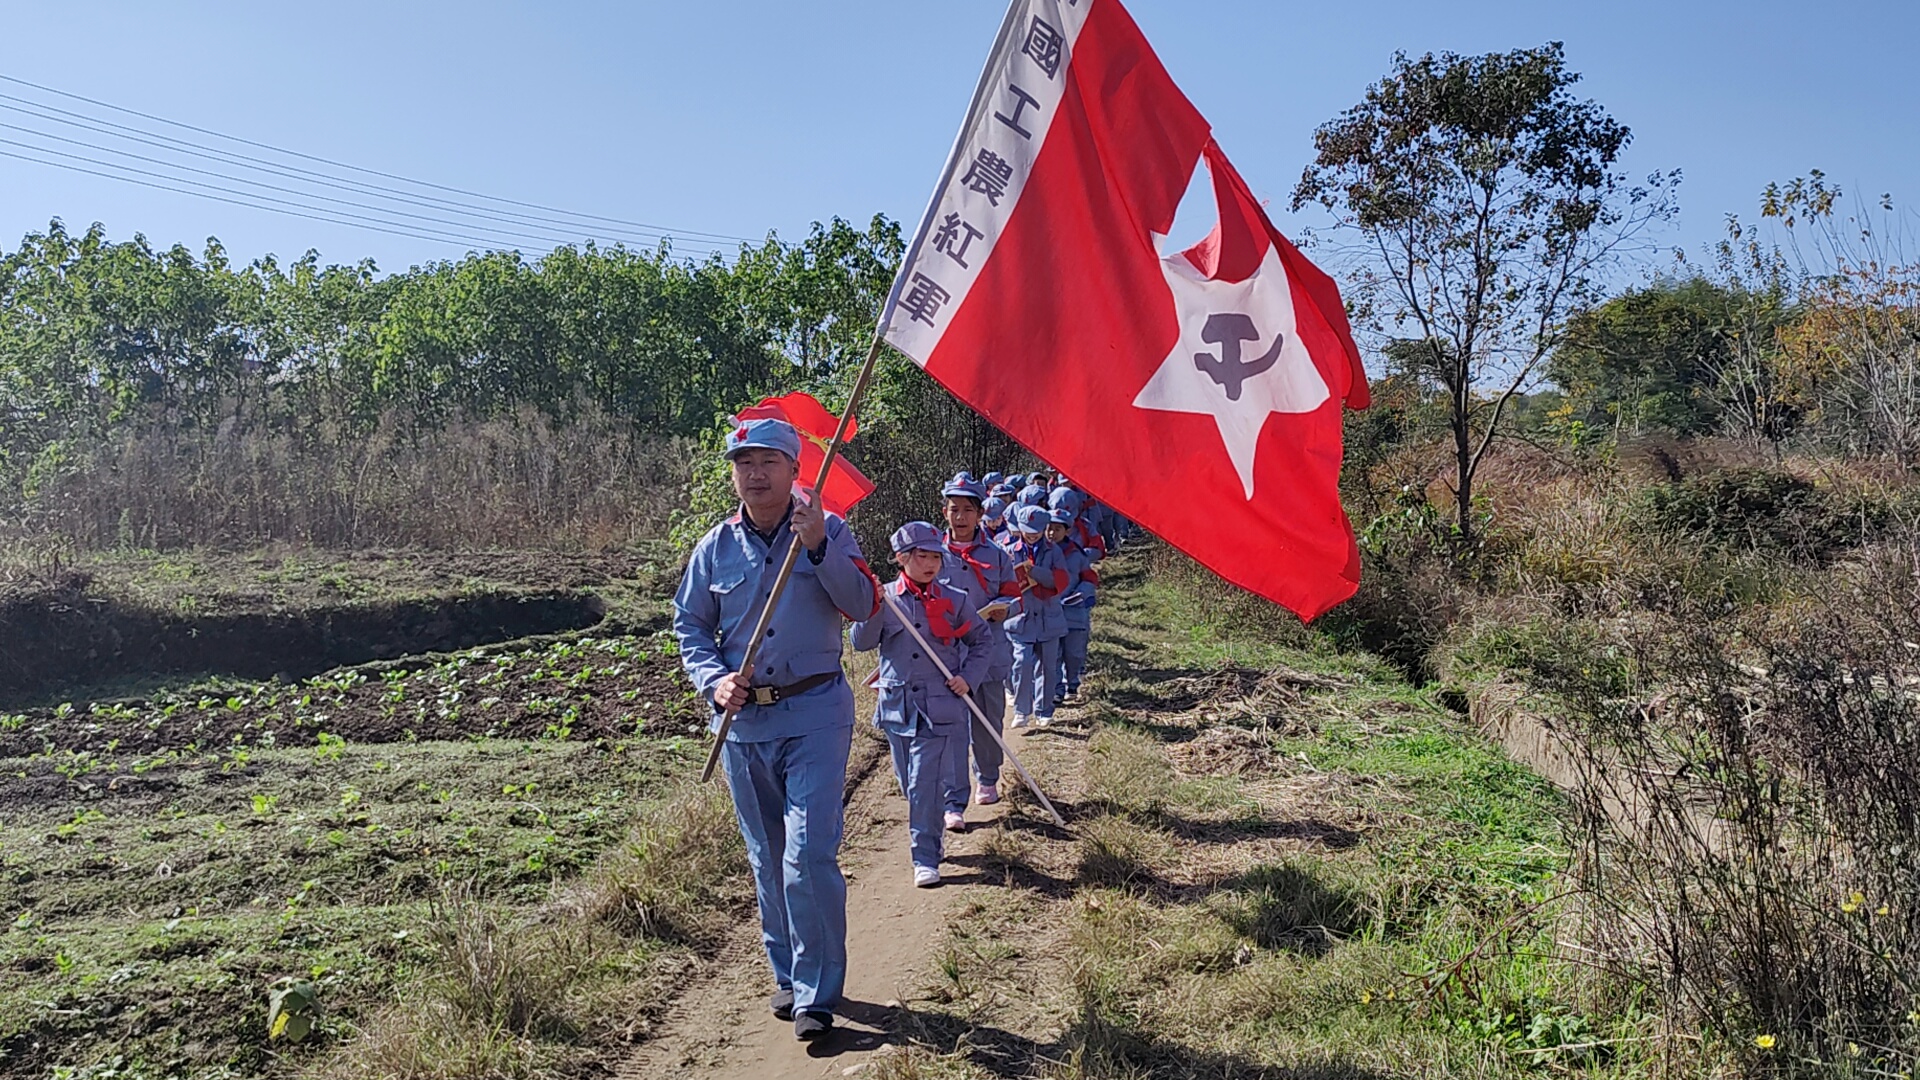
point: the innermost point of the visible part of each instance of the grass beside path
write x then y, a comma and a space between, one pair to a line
1285, 862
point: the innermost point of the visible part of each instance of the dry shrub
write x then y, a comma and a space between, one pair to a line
1750, 788
681, 873
1512, 475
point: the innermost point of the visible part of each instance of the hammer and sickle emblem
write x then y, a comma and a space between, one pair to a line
1228, 329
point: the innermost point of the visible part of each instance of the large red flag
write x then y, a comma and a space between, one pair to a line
815, 422
1198, 392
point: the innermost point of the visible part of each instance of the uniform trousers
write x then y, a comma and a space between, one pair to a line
926, 764
991, 696
1036, 677
1073, 656
787, 794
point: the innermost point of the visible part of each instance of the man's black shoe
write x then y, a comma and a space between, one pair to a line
782, 1003
812, 1024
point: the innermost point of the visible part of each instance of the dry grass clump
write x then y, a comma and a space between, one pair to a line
428, 1045
495, 976
680, 875
501, 1000
1128, 773
1117, 852
1225, 750
1004, 852
1291, 906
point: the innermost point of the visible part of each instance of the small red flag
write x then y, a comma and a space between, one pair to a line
1199, 392
816, 424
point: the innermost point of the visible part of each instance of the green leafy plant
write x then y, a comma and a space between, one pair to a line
293, 1009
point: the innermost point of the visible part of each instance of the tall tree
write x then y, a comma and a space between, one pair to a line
1486, 200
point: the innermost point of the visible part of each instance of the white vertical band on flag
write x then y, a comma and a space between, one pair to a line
1013, 109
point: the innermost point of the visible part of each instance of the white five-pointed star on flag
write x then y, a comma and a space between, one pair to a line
1199, 375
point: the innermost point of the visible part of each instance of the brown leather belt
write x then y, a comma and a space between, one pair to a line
770, 695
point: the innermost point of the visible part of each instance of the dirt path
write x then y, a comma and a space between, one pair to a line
720, 1028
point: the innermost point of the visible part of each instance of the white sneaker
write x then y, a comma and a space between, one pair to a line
956, 822
1043, 721
1022, 720
925, 877
989, 794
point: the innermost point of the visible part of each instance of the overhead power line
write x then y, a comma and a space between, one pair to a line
466, 222
556, 241
196, 187
236, 202
301, 175
359, 169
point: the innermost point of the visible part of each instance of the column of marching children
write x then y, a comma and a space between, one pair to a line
1001, 603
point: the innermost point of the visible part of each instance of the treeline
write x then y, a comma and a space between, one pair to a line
154, 397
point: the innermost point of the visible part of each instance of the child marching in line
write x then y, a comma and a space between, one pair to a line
1041, 624
993, 520
922, 712
1077, 603
1080, 530
980, 568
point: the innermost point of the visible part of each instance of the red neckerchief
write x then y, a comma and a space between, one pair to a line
939, 610
965, 551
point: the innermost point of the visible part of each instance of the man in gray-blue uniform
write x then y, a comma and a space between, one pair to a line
786, 752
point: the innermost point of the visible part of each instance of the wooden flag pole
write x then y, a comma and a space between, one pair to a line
975, 706
793, 550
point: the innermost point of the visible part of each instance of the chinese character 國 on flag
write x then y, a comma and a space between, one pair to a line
1198, 392
845, 485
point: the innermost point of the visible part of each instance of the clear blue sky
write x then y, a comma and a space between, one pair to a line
743, 116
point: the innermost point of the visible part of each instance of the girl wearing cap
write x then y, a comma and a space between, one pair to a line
921, 710
1040, 625
980, 568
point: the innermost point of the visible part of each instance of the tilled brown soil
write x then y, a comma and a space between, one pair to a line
588, 689
266, 614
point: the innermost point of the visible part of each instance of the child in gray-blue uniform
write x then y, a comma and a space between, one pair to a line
921, 710
786, 753
993, 519
1077, 603
1040, 625
984, 571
